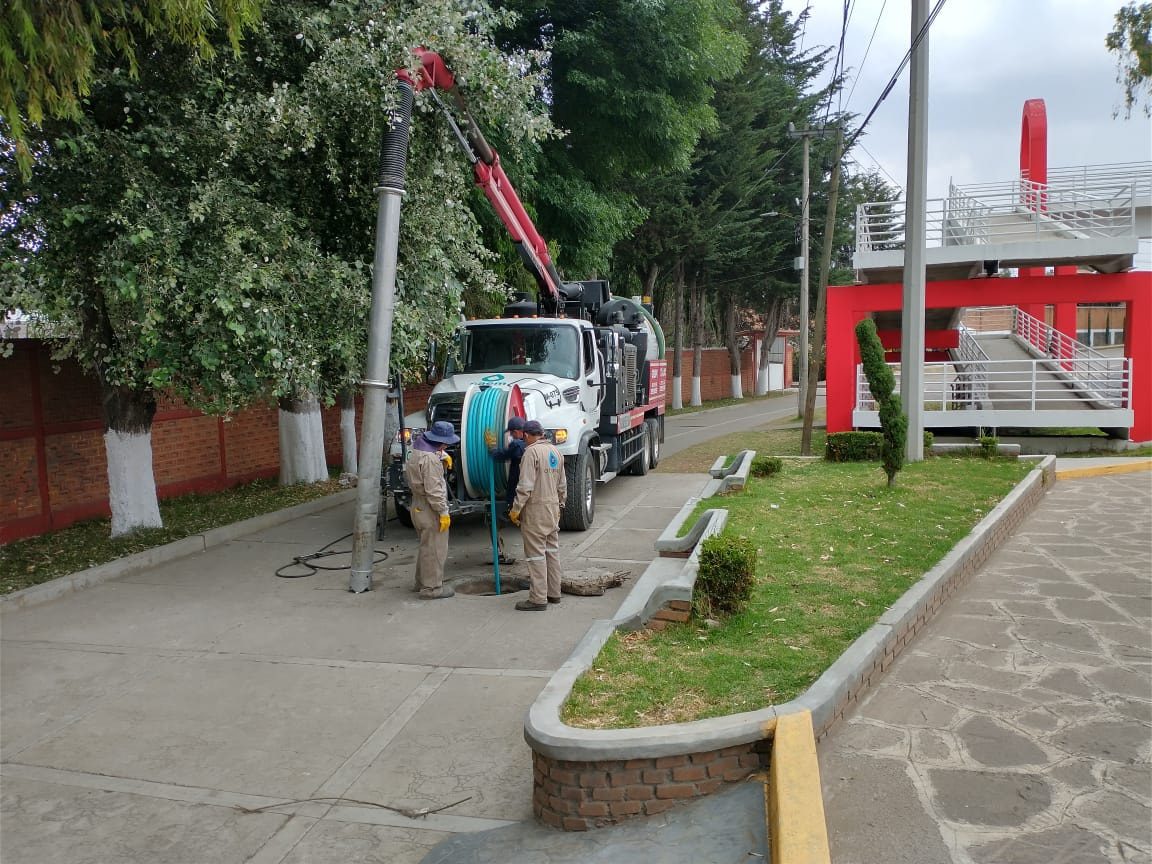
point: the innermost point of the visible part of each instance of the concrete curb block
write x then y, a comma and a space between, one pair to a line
194, 543
668, 542
841, 685
730, 478
797, 831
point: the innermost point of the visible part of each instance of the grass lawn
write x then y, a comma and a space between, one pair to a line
86, 544
836, 548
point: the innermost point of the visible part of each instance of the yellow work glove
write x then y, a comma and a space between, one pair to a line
445, 521
514, 516
447, 460
490, 438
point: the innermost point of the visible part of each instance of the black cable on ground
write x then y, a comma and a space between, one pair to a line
303, 560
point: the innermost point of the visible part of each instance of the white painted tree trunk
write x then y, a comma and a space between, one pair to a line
677, 392
131, 483
763, 356
302, 457
348, 440
696, 391
737, 387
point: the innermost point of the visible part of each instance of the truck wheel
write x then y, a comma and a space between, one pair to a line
653, 442
580, 505
403, 515
638, 467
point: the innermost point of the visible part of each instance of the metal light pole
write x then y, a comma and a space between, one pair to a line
915, 236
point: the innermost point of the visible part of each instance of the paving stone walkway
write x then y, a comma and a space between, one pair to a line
1018, 728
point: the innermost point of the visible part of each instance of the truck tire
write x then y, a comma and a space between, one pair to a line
403, 516
653, 442
580, 506
639, 465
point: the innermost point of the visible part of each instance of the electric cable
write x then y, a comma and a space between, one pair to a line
305, 560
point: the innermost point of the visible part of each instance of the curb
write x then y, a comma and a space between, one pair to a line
191, 545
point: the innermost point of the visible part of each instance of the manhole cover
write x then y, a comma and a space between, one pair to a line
486, 585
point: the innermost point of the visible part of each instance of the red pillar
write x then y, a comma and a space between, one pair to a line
840, 357
1138, 348
1064, 321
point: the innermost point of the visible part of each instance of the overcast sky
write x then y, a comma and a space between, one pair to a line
986, 58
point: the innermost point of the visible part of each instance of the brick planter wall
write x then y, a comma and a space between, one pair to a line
578, 796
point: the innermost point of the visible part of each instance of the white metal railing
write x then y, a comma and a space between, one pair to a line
1097, 201
1085, 369
971, 384
1027, 385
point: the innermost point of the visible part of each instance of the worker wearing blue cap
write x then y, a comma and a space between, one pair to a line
540, 496
424, 471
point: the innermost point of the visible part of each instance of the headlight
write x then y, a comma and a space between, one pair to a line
558, 436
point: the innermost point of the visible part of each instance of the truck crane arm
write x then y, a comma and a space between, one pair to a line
434, 75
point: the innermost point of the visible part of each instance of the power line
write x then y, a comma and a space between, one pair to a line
860, 70
896, 75
883, 170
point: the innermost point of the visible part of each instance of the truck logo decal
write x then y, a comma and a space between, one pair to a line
494, 377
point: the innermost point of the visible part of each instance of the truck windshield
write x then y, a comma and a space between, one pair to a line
520, 348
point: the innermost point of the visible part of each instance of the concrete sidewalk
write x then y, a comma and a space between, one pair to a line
139, 716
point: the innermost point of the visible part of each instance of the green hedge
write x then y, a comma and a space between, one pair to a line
726, 576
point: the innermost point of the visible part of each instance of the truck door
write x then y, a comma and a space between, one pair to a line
592, 383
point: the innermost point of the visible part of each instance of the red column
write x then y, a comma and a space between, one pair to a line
840, 358
1064, 321
1138, 348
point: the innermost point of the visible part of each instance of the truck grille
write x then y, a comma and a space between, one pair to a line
450, 411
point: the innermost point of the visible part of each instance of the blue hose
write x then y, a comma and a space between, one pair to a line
485, 411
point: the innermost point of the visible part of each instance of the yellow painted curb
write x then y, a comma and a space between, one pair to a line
1101, 470
796, 828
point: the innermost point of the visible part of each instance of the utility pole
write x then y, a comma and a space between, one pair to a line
804, 135
915, 237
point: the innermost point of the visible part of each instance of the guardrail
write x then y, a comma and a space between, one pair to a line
1081, 366
1028, 385
1092, 202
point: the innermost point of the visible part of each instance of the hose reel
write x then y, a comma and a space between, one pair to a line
486, 409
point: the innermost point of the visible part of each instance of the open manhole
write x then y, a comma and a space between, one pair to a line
485, 586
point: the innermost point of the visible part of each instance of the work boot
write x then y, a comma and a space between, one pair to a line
553, 599
437, 593
529, 606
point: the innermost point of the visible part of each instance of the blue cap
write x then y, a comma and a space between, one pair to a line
442, 433
533, 427
515, 423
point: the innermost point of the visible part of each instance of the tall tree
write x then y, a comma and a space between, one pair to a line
1131, 41
49, 51
630, 84
208, 227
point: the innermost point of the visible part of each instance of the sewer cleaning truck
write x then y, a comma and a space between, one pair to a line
587, 365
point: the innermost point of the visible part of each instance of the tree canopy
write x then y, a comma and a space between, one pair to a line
1131, 41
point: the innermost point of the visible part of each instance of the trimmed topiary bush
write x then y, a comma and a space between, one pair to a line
726, 576
766, 466
882, 383
853, 447
989, 446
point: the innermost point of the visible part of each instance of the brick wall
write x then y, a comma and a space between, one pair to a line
578, 796
53, 470
715, 374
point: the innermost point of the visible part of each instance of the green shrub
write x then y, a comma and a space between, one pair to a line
853, 446
989, 446
929, 438
726, 576
766, 466
882, 383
